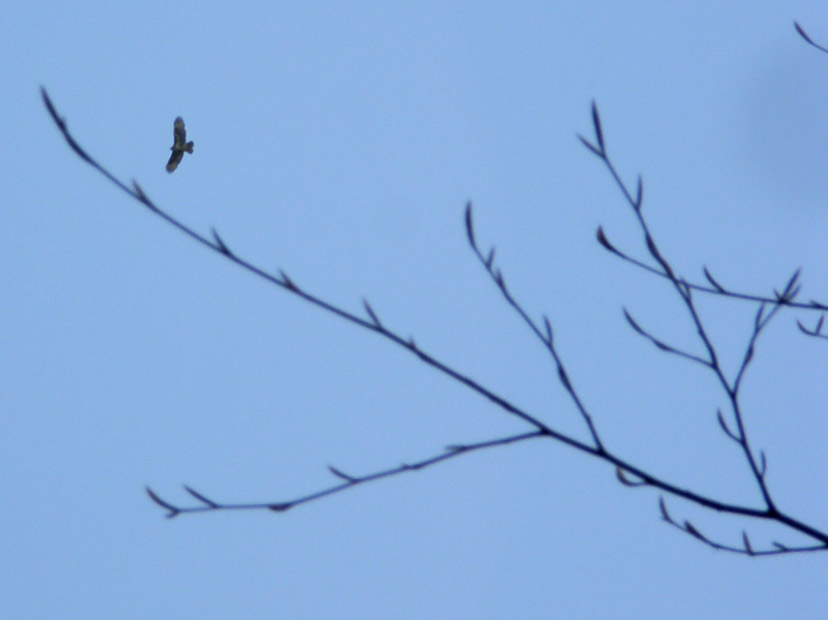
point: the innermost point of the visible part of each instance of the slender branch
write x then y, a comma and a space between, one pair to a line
715, 289
661, 344
545, 337
746, 549
349, 481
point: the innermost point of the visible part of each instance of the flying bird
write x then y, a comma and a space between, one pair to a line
180, 144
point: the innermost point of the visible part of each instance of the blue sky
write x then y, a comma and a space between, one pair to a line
340, 143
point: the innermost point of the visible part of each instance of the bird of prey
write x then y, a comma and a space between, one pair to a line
180, 145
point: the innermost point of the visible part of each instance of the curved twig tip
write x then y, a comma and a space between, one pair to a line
470, 225
602, 239
172, 510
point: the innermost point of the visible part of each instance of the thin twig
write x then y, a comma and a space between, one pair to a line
544, 336
349, 481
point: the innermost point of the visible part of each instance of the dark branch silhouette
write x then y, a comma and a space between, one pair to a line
731, 422
349, 481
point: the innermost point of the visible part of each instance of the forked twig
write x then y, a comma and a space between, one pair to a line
662, 267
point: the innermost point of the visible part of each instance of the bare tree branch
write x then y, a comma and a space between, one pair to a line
349, 481
715, 289
746, 549
545, 338
627, 473
685, 292
662, 345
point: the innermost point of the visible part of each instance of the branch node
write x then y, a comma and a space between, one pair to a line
662, 506
713, 281
220, 245
201, 497
791, 290
726, 428
287, 282
564, 378
340, 474
746, 542
371, 313
548, 326
142, 196
691, 529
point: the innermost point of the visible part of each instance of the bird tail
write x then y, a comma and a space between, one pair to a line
189, 147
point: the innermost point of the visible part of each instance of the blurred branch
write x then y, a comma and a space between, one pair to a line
627, 473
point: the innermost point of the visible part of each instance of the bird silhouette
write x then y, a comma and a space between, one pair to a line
180, 144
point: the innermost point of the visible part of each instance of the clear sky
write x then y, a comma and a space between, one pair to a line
340, 142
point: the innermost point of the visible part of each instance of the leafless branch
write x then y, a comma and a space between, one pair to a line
715, 289
745, 549
685, 291
545, 337
628, 473
349, 481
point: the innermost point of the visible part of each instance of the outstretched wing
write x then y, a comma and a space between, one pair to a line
175, 159
179, 134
